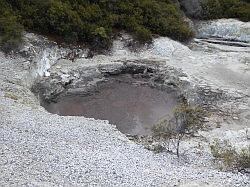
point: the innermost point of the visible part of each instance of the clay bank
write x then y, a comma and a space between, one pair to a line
68, 123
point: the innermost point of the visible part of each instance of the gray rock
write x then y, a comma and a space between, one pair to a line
192, 8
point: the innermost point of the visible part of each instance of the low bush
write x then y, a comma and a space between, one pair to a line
186, 120
94, 22
230, 158
142, 35
10, 32
243, 12
10, 29
215, 9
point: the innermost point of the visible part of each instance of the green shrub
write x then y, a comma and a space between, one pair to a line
101, 39
189, 119
10, 29
231, 159
142, 35
215, 9
243, 12
94, 22
186, 120
10, 32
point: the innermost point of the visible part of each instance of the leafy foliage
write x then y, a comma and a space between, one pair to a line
215, 9
94, 21
10, 29
186, 120
189, 119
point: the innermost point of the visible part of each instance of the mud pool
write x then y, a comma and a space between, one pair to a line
125, 101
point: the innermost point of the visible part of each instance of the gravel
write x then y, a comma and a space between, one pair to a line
39, 149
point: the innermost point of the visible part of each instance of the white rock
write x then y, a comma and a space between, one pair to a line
230, 29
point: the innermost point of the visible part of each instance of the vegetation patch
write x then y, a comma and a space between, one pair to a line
186, 121
11, 95
10, 29
215, 9
230, 158
95, 21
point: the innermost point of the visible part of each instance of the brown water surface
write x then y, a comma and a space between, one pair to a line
132, 106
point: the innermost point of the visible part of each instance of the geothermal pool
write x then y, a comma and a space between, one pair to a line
129, 103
